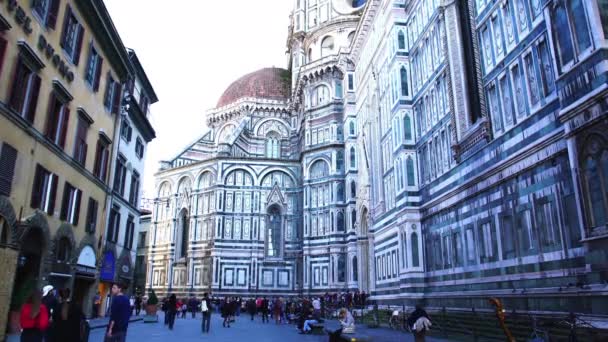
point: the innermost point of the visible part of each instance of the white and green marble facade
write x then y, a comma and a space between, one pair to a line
441, 151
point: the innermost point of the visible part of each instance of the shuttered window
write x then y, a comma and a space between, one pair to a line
114, 224
3, 45
8, 158
80, 144
57, 121
44, 190
70, 204
134, 190
91, 223
24, 91
72, 36
129, 233
101, 160
93, 70
120, 176
47, 11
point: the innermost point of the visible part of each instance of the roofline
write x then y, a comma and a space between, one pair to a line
97, 16
141, 74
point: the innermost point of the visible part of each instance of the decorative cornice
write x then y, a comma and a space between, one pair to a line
63, 94
30, 56
4, 24
84, 115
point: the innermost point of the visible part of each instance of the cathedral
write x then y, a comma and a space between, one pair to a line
419, 150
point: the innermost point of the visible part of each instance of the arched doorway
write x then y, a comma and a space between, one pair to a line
183, 225
27, 274
365, 276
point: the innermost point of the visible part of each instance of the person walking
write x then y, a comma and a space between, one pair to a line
278, 304
251, 307
165, 308
206, 310
171, 311
419, 322
34, 318
138, 301
192, 305
226, 311
184, 309
67, 320
264, 310
119, 315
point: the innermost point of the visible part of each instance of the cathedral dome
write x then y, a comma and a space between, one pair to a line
268, 83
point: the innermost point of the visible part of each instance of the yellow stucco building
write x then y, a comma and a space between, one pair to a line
62, 65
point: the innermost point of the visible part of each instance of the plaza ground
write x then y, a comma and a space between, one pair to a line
242, 330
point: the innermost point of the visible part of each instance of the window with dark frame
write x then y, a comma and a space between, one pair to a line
114, 224
25, 90
130, 232
91, 223
93, 70
111, 100
8, 159
70, 204
102, 155
120, 175
47, 11
73, 33
44, 190
134, 189
139, 148
57, 120
126, 131
3, 45
80, 143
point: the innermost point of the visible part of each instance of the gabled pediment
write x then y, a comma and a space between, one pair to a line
275, 196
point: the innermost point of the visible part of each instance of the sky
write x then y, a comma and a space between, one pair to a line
192, 50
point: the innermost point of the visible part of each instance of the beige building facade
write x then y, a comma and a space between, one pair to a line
62, 64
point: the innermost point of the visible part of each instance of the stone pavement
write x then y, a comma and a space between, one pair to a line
242, 330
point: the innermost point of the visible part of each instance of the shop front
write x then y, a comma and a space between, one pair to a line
106, 279
85, 274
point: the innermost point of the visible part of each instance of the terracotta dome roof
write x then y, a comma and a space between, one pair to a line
267, 83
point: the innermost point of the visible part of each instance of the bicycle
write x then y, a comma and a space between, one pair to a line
574, 322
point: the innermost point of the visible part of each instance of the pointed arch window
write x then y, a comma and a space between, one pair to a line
340, 161
401, 40
327, 46
185, 228
351, 128
355, 267
273, 146
340, 222
341, 268
404, 90
340, 192
407, 127
353, 218
273, 233
409, 165
570, 29
595, 173
415, 257
353, 156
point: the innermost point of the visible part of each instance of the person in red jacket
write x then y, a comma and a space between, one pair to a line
34, 319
